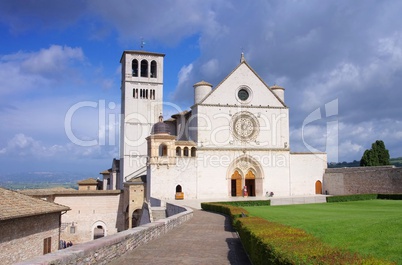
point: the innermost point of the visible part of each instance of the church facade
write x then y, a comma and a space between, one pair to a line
233, 141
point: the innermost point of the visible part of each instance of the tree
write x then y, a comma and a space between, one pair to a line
378, 155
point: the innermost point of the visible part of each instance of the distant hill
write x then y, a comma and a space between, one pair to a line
37, 180
394, 161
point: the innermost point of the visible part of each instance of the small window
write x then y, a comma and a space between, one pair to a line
185, 151
178, 188
134, 67
153, 69
72, 229
144, 68
47, 245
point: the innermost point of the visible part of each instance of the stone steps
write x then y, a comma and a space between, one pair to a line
298, 200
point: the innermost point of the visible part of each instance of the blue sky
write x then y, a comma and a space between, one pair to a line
57, 54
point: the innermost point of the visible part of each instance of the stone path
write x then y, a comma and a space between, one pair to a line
208, 238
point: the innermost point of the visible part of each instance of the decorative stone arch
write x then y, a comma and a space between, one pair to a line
99, 229
251, 173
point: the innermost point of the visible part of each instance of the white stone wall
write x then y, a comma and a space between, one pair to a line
88, 211
305, 170
214, 127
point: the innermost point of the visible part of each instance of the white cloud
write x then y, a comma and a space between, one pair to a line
28, 71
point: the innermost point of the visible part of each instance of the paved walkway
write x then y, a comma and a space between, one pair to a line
208, 238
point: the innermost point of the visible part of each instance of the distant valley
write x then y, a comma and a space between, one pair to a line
40, 180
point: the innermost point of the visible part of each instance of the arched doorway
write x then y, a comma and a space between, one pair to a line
318, 187
135, 221
99, 232
236, 189
99, 229
245, 171
250, 183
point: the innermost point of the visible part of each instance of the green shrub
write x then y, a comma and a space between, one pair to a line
355, 197
390, 196
248, 203
273, 243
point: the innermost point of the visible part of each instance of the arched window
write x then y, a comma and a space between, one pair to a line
162, 150
153, 69
185, 151
178, 151
193, 151
134, 67
178, 188
144, 68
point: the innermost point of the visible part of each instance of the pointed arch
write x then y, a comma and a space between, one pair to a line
99, 229
253, 174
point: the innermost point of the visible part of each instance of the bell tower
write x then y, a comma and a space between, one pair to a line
141, 105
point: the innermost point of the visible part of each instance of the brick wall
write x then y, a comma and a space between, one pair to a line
22, 238
362, 180
103, 250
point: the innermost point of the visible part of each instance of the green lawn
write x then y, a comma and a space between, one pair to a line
371, 227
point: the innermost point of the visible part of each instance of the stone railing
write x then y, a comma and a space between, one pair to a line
103, 250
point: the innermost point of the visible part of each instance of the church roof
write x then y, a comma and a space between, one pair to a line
202, 83
276, 87
105, 172
90, 181
16, 205
242, 62
160, 127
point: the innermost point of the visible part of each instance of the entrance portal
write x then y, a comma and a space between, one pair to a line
250, 183
236, 184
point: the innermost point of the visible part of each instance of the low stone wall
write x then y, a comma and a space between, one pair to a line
103, 250
362, 180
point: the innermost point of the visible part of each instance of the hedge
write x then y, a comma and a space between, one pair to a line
363, 197
390, 196
354, 197
272, 243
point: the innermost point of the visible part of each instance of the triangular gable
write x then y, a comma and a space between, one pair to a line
243, 74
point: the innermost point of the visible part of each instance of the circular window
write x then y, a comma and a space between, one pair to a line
245, 126
243, 94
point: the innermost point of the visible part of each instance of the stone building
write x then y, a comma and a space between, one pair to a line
233, 141
93, 214
29, 227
